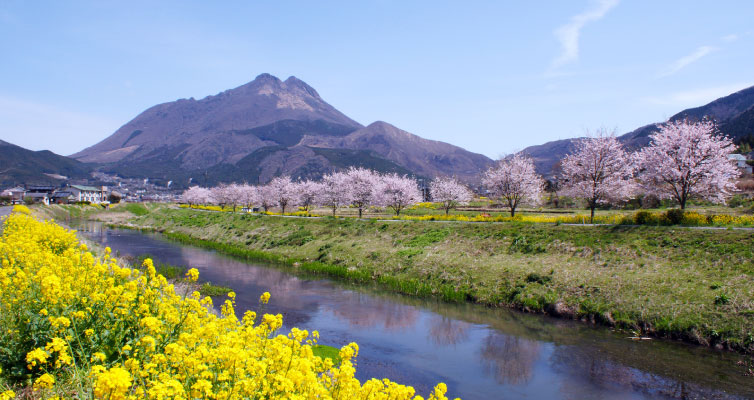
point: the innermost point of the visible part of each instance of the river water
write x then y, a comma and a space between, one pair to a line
481, 353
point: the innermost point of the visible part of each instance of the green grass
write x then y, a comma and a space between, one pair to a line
177, 273
694, 285
323, 351
209, 289
136, 209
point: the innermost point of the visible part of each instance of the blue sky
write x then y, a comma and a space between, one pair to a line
492, 77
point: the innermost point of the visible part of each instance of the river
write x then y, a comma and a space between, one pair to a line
480, 352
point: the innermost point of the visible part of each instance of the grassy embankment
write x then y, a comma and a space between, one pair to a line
673, 282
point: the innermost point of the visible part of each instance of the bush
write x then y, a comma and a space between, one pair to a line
739, 200
644, 218
673, 216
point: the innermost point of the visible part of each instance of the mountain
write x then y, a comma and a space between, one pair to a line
19, 165
262, 129
423, 157
734, 115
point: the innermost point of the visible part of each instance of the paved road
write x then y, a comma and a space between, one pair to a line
3, 212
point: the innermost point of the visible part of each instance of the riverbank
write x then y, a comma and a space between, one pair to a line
696, 286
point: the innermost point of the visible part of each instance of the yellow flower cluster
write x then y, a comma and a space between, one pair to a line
84, 325
690, 218
425, 205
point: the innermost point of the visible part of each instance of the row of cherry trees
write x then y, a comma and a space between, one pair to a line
357, 187
683, 160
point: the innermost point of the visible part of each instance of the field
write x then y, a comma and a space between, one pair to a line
691, 284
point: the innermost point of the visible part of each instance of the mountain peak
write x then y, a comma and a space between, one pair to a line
293, 82
380, 124
265, 77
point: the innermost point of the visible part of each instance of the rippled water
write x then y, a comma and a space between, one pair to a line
481, 353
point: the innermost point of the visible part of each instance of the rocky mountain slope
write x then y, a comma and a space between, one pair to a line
19, 165
734, 115
265, 128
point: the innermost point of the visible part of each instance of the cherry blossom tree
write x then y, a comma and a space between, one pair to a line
450, 193
267, 197
687, 159
235, 195
284, 191
397, 192
515, 181
197, 195
221, 195
599, 171
334, 191
361, 183
249, 195
308, 192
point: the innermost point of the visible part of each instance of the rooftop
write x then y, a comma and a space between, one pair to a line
86, 188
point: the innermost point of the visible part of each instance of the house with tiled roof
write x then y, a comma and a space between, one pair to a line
16, 194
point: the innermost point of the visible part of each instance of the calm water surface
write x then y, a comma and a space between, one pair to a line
481, 353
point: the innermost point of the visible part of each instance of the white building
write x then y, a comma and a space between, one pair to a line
89, 193
740, 161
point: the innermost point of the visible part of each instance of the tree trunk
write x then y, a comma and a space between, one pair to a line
282, 208
397, 212
513, 212
447, 210
591, 219
333, 211
359, 212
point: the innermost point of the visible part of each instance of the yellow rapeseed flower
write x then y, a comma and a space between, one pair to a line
264, 298
45, 381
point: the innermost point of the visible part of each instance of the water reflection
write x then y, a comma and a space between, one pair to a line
480, 352
364, 311
444, 331
509, 359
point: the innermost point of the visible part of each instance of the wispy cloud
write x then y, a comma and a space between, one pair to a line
39, 126
696, 97
568, 34
685, 61
730, 38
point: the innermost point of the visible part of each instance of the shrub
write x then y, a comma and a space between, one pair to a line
673, 216
721, 299
538, 278
644, 218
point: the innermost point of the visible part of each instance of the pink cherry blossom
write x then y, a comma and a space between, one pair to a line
249, 195
397, 192
284, 191
687, 159
599, 170
197, 195
308, 192
334, 191
450, 193
515, 181
267, 197
361, 183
